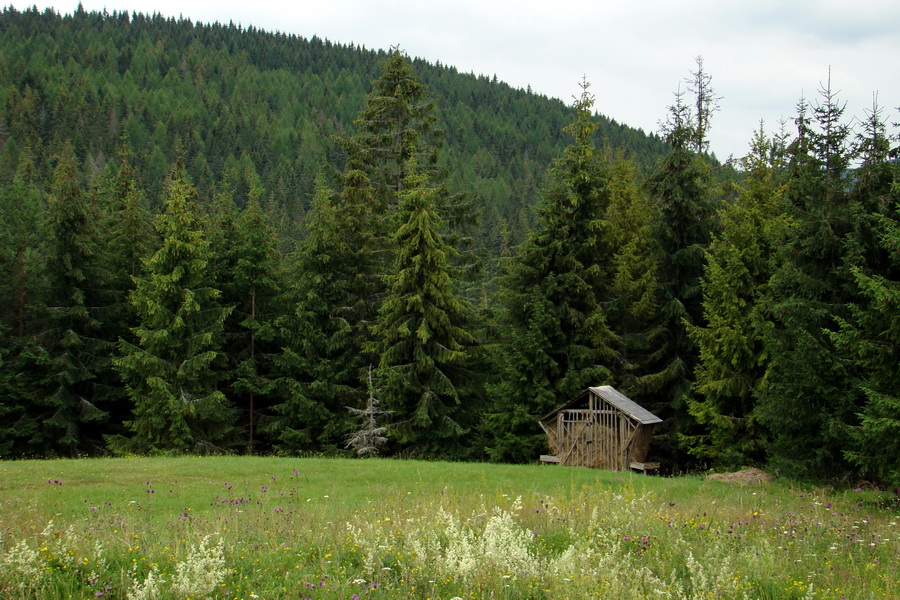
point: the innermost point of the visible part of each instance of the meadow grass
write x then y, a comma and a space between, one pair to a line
257, 527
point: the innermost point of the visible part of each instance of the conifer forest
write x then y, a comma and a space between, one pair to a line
216, 239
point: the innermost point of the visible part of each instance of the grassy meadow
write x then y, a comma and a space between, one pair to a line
247, 527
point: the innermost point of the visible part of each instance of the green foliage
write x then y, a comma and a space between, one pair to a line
681, 185
258, 283
23, 282
421, 334
322, 337
809, 396
170, 370
731, 344
870, 335
635, 295
21, 415
78, 354
394, 130
21, 241
248, 271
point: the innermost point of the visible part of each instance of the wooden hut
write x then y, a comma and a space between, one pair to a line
601, 428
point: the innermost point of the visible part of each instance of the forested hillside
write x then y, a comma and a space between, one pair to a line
224, 240
250, 108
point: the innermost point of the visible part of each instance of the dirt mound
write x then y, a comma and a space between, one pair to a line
743, 477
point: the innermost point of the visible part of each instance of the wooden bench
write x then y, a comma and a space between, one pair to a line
548, 458
640, 466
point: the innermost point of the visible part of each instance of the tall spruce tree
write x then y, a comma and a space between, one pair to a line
555, 337
731, 341
77, 354
396, 128
333, 306
870, 333
328, 338
22, 280
126, 236
127, 227
253, 287
681, 186
809, 396
422, 334
244, 266
169, 371
872, 195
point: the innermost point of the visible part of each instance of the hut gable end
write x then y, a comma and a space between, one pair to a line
600, 428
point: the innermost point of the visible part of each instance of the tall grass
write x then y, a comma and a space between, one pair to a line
231, 527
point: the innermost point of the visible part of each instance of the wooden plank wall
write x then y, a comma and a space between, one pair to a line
600, 436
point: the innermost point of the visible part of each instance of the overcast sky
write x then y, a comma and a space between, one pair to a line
763, 55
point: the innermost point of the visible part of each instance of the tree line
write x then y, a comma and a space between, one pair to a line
754, 310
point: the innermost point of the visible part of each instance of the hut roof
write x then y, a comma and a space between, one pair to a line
618, 400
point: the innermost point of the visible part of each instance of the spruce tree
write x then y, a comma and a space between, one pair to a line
252, 287
555, 340
681, 186
23, 371
809, 395
126, 222
328, 340
872, 195
126, 236
334, 302
422, 333
731, 341
77, 354
169, 370
869, 335
396, 128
